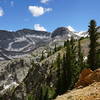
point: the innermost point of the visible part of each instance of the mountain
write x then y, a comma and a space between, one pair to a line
21, 42
63, 32
24, 78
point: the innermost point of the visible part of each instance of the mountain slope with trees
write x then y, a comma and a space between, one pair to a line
59, 71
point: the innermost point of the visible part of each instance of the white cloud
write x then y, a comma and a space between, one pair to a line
1, 12
71, 29
44, 1
38, 11
38, 27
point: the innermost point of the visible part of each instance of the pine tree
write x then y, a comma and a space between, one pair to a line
72, 66
98, 51
42, 57
65, 43
80, 56
58, 86
49, 53
55, 49
68, 65
64, 74
92, 52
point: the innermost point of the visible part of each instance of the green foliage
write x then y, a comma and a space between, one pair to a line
68, 68
80, 56
72, 64
42, 57
55, 49
30, 97
49, 53
47, 93
92, 57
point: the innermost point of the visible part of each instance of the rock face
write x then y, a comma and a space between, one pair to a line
87, 77
12, 73
21, 42
42, 75
63, 31
91, 92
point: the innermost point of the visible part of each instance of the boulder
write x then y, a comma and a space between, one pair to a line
87, 77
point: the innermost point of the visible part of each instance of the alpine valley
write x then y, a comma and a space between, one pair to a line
40, 65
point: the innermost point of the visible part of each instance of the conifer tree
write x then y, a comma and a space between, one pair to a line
68, 64
65, 43
64, 74
92, 52
55, 49
72, 66
98, 51
42, 57
80, 56
58, 86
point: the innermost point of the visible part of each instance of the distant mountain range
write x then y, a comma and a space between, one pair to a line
22, 42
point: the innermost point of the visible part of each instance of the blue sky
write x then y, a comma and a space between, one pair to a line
48, 14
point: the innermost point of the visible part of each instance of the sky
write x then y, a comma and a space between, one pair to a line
47, 15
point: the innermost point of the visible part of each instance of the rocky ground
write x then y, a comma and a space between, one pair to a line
91, 92
87, 87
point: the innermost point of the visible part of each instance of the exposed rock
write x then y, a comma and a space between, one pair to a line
12, 73
91, 92
87, 77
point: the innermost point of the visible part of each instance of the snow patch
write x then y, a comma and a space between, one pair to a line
71, 29
82, 34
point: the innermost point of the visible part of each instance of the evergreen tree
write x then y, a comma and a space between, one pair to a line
49, 53
68, 64
98, 51
58, 86
80, 56
64, 74
42, 57
92, 52
72, 66
65, 43
55, 49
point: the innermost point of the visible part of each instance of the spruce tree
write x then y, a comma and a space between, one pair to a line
65, 43
98, 51
58, 64
72, 66
64, 74
80, 56
92, 52
42, 57
55, 48
68, 64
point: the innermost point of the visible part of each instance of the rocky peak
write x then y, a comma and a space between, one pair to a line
60, 32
